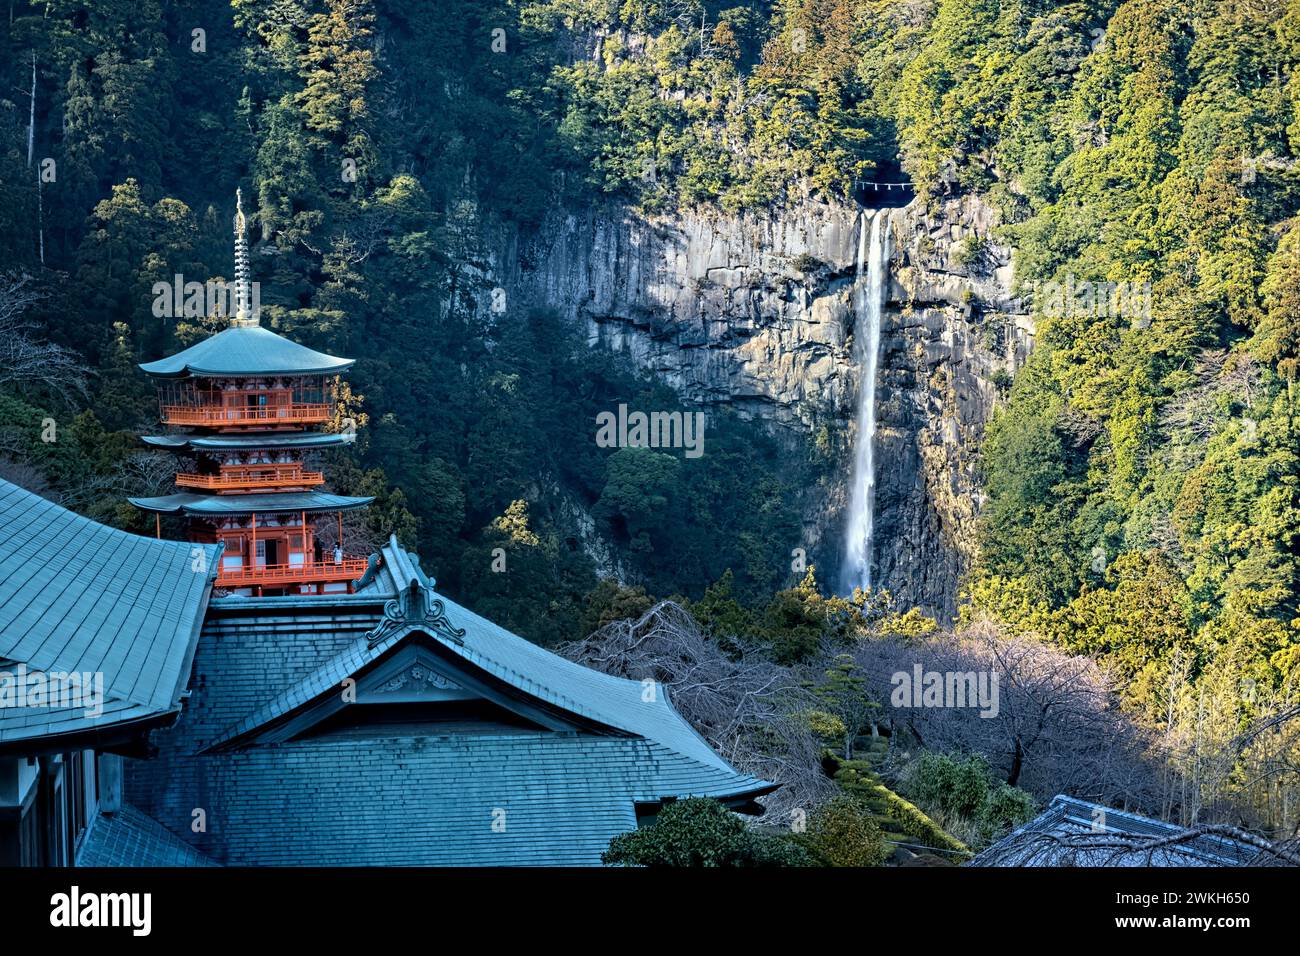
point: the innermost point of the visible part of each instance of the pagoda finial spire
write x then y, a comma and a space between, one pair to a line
244, 313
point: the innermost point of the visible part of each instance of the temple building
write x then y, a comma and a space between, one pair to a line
270, 702
98, 630
393, 726
253, 404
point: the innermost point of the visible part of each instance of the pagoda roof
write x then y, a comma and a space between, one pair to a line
80, 597
246, 441
246, 350
218, 506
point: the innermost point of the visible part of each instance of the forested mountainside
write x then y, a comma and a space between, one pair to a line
1138, 481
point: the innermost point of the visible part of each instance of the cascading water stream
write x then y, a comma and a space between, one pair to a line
868, 304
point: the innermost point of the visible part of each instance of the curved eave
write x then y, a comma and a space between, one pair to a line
246, 351
246, 442
192, 371
221, 506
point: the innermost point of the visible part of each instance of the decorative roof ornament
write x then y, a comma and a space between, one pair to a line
244, 314
415, 606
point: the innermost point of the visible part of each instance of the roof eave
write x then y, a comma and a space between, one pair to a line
129, 738
153, 505
191, 371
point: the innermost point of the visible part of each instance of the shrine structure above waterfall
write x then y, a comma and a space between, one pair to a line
253, 405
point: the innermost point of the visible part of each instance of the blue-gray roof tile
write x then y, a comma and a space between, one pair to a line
131, 838
556, 797
246, 350
79, 597
211, 506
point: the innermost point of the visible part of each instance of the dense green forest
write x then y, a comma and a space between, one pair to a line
375, 138
1142, 476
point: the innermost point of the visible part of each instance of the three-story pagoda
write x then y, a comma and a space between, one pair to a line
253, 404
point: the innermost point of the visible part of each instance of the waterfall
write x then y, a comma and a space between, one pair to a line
868, 304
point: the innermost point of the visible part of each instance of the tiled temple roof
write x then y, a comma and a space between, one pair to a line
131, 838
1066, 818
251, 441
527, 796
218, 506
246, 351
77, 596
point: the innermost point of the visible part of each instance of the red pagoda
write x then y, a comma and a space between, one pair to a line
253, 404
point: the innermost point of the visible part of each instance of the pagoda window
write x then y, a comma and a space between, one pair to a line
233, 557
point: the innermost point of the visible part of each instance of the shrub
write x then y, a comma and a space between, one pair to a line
700, 832
958, 787
916, 824
973, 252
842, 833
958, 793
1007, 807
807, 264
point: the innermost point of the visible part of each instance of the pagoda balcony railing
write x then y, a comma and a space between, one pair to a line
298, 413
311, 572
244, 477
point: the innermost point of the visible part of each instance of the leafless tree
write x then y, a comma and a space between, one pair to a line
24, 475
748, 709
1056, 729
149, 473
1082, 428
1196, 412
25, 359
360, 539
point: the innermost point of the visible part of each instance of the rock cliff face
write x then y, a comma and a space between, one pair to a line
755, 311
953, 333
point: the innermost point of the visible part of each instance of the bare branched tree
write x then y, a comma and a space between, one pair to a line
24, 475
359, 537
1056, 728
146, 474
747, 709
1196, 412
24, 358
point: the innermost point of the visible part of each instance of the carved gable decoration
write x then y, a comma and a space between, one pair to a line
415, 606
417, 678
411, 675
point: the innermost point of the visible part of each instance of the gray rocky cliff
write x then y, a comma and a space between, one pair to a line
754, 311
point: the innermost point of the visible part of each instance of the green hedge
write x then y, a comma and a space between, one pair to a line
856, 777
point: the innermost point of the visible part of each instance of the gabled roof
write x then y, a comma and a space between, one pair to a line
79, 597
246, 350
304, 780
614, 703
1068, 831
252, 441
218, 506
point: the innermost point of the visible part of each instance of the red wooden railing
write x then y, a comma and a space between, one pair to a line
300, 413
311, 572
238, 477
